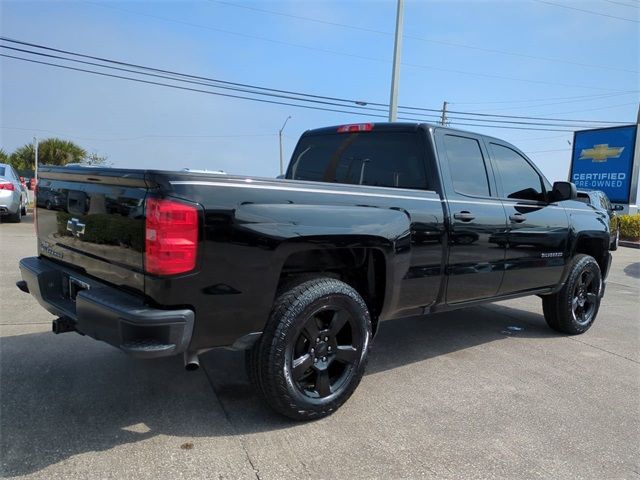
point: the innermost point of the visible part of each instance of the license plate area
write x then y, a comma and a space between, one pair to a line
75, 286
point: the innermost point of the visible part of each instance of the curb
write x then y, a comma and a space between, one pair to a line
629, 244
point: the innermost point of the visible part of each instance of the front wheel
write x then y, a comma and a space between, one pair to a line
313, 352
574, 308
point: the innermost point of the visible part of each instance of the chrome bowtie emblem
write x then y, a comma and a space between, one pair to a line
75, 227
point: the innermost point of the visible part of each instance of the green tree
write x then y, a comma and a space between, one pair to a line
51, 151
4, 158
23, 158
54, 151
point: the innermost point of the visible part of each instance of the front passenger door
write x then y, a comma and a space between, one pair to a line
538, 231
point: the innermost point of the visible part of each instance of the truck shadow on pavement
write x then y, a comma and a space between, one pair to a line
68, 395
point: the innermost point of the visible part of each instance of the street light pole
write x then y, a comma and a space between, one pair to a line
280, 137
395, 72
35, 148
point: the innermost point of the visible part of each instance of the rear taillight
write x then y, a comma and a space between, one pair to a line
7, 186
356, 127
171, 237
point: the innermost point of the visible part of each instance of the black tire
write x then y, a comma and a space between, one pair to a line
47, 205
616, 242
322, 326
574, 308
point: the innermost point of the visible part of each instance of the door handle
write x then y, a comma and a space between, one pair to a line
517, 218
464, 216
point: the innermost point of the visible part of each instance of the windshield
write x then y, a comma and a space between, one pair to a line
384, 159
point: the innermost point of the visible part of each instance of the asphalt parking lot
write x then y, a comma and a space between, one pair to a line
456, 395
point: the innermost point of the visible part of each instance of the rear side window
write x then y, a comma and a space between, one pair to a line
2, 171
467, 167
384, 159
519, 179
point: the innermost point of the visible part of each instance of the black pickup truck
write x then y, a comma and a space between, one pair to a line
371, 222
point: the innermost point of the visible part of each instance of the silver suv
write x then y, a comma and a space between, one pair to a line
13, 196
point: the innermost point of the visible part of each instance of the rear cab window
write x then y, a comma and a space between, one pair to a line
393, 159
466, 166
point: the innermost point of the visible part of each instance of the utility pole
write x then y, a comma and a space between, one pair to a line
395, 72
280, 137
443, 119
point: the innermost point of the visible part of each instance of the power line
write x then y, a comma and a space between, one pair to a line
196, 77
84, 62
422, 39
139, 137
561, 103
261, 100
575, 98
622, 3
547, 151
184, 88
291, 95
521, 117
587, 11
351, 55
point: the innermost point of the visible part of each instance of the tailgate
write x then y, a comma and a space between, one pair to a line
92, 220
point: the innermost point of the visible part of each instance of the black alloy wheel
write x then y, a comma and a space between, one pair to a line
574, 308
326, 352
585, 297
313, 351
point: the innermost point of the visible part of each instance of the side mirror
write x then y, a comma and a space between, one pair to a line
617, 208
564, 191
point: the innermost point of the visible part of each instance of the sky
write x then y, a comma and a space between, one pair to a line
570, 60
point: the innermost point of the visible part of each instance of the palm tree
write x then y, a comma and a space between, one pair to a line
51, 151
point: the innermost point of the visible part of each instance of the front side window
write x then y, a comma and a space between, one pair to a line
519, 179
467, 167
383, 159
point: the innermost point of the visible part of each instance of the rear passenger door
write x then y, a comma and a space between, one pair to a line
477, 219
538, 230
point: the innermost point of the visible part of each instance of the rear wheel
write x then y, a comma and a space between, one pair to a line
574, 308
313, 352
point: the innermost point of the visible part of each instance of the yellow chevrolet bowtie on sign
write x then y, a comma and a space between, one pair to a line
600, 153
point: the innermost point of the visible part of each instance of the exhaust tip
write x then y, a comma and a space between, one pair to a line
191, 361
191, 367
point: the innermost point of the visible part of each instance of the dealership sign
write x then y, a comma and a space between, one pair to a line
603, 160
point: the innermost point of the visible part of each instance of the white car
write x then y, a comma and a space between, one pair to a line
13, 197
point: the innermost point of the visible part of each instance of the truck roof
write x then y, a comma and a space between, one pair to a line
393, 127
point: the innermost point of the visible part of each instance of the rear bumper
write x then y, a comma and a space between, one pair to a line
107, 313
9, 203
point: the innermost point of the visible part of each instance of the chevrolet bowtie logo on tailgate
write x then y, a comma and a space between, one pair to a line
600, 153
75, 227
